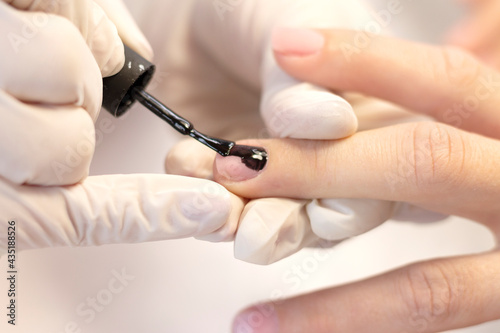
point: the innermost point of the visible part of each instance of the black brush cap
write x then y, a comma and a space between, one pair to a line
136, 73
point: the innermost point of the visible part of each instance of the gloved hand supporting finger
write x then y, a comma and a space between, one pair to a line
56, 150
127, 28
117, 209
95, 27
51, 67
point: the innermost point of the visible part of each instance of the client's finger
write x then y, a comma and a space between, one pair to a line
479, 31
432, 165
180, 161
446, 83
426, 297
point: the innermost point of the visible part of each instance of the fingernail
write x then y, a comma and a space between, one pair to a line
232, 168
254, 320
297, 42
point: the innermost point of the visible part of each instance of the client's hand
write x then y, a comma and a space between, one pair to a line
478, 32
451, 168
228, 71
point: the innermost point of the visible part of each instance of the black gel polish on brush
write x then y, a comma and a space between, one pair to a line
121, 90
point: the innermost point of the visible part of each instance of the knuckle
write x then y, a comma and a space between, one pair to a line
321, 157
429, 292
436, 154
69, 56
458, 67
65, 39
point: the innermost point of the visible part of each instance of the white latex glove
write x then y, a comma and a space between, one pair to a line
235, 70
95, 19
50, 93
273, 228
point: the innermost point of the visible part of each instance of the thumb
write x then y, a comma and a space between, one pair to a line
127, 28
300, 110
96, 22
95, 28
118, 209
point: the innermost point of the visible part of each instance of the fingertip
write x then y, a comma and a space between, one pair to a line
227, 232
305, 111
128, 30
245, 161
295, 49
115, 61
104, 42
296, 42
189, 158
256, 319
231, 169
271, 229
289, 171
336, 64
339, 219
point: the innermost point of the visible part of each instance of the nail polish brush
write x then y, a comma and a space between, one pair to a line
120, 91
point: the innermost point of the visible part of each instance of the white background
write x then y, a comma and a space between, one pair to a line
192, 286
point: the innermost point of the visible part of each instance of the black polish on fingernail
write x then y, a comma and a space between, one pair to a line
254, 158
126, 87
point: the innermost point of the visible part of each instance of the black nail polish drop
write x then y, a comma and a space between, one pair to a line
254, 158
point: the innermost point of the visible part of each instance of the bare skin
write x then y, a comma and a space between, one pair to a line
451, 165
